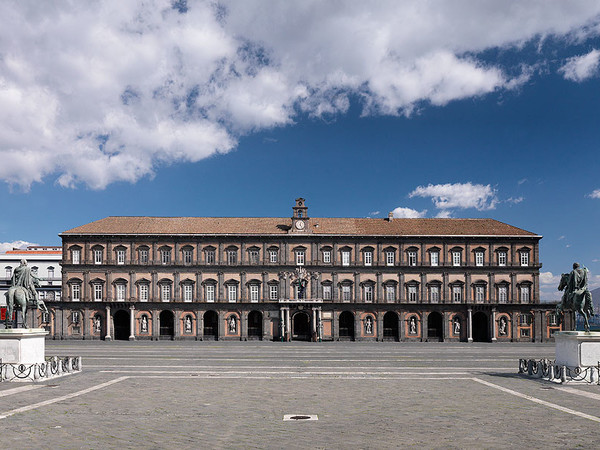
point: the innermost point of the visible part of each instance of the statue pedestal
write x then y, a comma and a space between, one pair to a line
577, 348
22, 345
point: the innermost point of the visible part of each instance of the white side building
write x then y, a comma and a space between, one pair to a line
44, 261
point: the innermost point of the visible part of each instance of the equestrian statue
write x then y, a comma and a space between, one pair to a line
22, 293
576, 295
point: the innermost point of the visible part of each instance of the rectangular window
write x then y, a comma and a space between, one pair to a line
232, 293
368, 293
524, 332
390, 293
165, 292
525, 319
412, 258
327, 256
253, 255
434, 294
187, 256
254, 293
524, 294
97, 256
502, 258
50, 272
273, 256
97, 292
456, 258
187, 292
346, 293
209, 293
326, 292
120, 292
456, 294
274, 292
9, 272
300, 257
553, 320
479, 294
232, 257
120, 256
502, 294
165, 256
345, 258
389, 258
76, 292
479, 258
210, 256
412, 293
76, 256
368, 258
524, 258
435, 258
143, 288
143, 255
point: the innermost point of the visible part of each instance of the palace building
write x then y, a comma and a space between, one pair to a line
301, 278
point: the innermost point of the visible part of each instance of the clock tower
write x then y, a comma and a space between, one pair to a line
300, 220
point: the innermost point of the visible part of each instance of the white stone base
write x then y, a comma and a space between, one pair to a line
22, 345
577, 348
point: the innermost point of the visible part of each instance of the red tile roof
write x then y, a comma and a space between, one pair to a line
280, 226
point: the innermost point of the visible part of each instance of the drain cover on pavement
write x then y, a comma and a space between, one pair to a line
300, 417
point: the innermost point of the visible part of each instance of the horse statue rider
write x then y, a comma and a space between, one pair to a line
22, 293
576, 295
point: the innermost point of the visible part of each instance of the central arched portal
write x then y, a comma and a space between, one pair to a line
121, 324
255, 329
301, 327
346, 325
211, 325
480, 327
167, 325
390, 326
435, 327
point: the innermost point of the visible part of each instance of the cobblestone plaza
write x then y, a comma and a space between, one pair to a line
235, 395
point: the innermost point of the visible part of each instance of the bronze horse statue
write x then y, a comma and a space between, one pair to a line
579, 300
19, 296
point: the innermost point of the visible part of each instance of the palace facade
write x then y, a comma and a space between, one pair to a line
301, 278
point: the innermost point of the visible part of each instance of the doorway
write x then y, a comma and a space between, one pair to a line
211, 325
435, 327
390, 326
480, 327
301, 327
167, 325
255, 330
346, 326
121, 324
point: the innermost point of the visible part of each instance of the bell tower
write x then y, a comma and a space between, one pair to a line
300, 219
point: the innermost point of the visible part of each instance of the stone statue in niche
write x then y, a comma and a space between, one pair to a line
369, 325
412, 325
97, 324
456, 325
188, 324
502, 326
232, 325
144, 324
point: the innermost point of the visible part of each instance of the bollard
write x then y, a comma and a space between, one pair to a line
551, 372
593, 375
530, 367
563, 374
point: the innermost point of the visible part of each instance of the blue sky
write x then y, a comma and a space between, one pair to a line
480, 110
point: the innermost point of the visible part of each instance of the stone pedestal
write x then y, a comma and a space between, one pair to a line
577, 348
22, 345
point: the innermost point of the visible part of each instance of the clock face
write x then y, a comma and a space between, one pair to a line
300, 225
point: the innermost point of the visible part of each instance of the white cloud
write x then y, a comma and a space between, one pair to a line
581, 68
5, 246
514, 200
374, 213
560, 238
458, 195
548, 278
98, 92
522, 180
595, 194
408, 213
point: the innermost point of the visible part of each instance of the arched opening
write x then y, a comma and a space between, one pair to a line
167, 325
301, 327
480, 327
390, 326
346, 325
255, 329
121, 324
211, 325
435, 327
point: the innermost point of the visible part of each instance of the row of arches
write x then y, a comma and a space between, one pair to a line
166, 322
